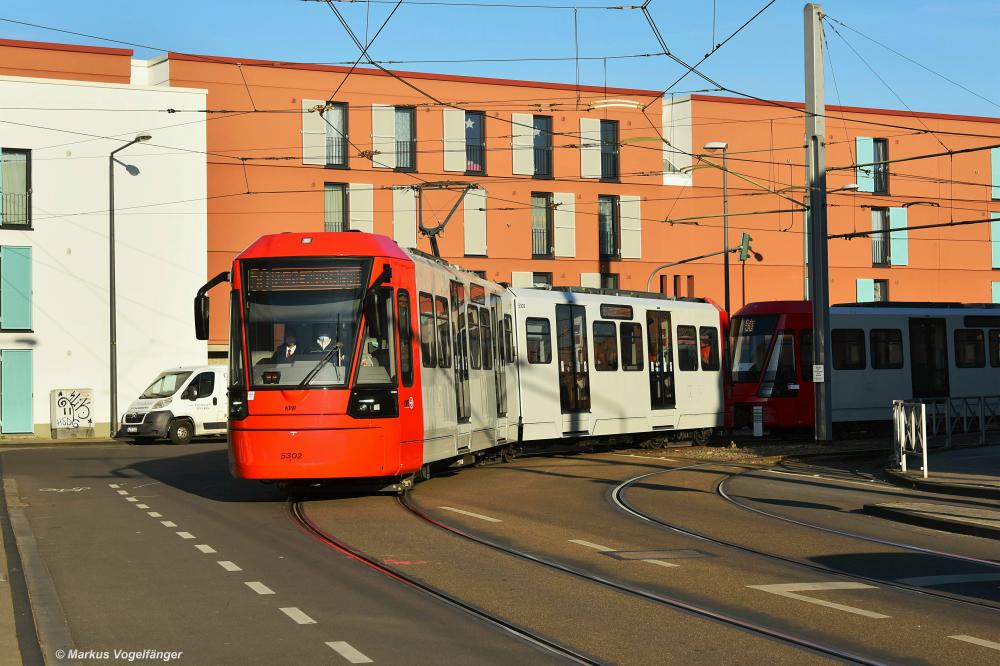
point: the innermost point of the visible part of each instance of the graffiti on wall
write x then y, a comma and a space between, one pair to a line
72, 409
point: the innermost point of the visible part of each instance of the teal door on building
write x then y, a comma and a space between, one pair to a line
16, 391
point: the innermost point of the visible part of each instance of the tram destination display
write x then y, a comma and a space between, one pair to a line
304, 279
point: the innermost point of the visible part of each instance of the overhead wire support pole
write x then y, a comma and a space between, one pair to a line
819, 287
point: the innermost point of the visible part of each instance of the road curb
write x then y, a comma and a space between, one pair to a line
50, 620
31, 443
981, 492
916, 518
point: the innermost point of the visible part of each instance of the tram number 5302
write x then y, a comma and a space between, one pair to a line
291, 455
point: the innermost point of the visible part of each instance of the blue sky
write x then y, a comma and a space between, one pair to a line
956, 39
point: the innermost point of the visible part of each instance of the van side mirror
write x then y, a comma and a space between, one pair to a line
201, 305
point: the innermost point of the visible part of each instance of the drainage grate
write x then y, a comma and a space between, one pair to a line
656, 554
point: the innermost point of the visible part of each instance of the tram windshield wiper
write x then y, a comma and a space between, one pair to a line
334, 349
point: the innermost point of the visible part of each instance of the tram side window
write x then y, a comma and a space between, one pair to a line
539, 340
806, 355
475, 346
631, 346
887, 348
427, 350
709, 340
443, 332
508, 338
969, 351
487, 335
687, 348
848, 348
405, 337
995, 347
605, 346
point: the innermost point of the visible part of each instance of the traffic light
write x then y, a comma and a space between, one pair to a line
745, 246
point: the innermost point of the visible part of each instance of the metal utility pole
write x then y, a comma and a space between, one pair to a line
819, 288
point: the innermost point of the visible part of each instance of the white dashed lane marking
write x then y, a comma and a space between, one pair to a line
977, 641
142, 506
348, 652
123, 492
298, 616
112, 485
205, 548
473, 515
588, 544
155, 514
662, 563
131, 499
260, 588
168, 523
791, 591
228, 566
185, 535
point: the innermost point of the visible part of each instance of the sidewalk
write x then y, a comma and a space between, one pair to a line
29, 442
955, 475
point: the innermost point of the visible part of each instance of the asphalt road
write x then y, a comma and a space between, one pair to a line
158, 547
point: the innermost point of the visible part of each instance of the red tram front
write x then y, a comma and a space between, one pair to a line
770, 345
322, 379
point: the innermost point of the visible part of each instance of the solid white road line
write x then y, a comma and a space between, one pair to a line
473, 515
260, 588
977, 641
142, 506
155, 514
204, 548
113, 485
168, 523
595, 546
922, 581
297, 615
348, 652
228, 566
662, 563
131, 499
789, 590
123, 492
185, 535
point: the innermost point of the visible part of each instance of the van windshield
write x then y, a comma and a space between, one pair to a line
166, 384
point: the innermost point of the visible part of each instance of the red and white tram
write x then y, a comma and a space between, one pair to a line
351, 358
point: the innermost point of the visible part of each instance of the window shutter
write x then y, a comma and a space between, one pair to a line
361, 207
590, 148
404, 216
564, 223
995, 238
2, 158
454, 140
630, 221
865, 291
313, 132
899, 253
384, 136
475, 222
995, 172
15, 288
996, 292
523, 143
16, 397
592, 280
522, 279
865, 176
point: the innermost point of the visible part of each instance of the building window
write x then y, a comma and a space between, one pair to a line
881, 294
15, 289
541, 279
406, 141
335, 207
880, 239
475, 142
609, 226
665, 285
541, 225
609, 280
335, 116
887, 348
15, 188
605, 346
690, 282
881, 169
609, 150
542, 144
848, 348
970, 351
539, 340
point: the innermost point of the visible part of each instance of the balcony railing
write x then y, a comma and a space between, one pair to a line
336, 151
541, 242
543, 161
16, 207
609, 164
406, 153
475, 158
880, 249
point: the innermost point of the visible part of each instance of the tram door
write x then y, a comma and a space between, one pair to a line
661, 360
929, 358
574, 375
461, 352
499, 361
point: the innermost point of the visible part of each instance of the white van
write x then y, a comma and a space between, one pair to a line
181, 403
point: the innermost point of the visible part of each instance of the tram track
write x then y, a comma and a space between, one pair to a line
296, 510
672, 602
619, 500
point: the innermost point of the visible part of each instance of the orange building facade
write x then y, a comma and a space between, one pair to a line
584, 185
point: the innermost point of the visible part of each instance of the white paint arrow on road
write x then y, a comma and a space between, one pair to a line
790, 590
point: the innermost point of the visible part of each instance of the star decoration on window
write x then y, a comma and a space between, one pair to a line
536, 132
469, 123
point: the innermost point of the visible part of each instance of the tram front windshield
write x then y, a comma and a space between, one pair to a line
302, 321
750, 340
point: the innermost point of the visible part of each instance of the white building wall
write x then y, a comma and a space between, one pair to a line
161, 233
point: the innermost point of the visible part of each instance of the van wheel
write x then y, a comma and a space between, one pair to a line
180, 432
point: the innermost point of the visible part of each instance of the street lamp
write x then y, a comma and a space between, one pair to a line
111, 282
724, 147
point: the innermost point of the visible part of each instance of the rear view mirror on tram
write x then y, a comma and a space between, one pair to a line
201, 317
